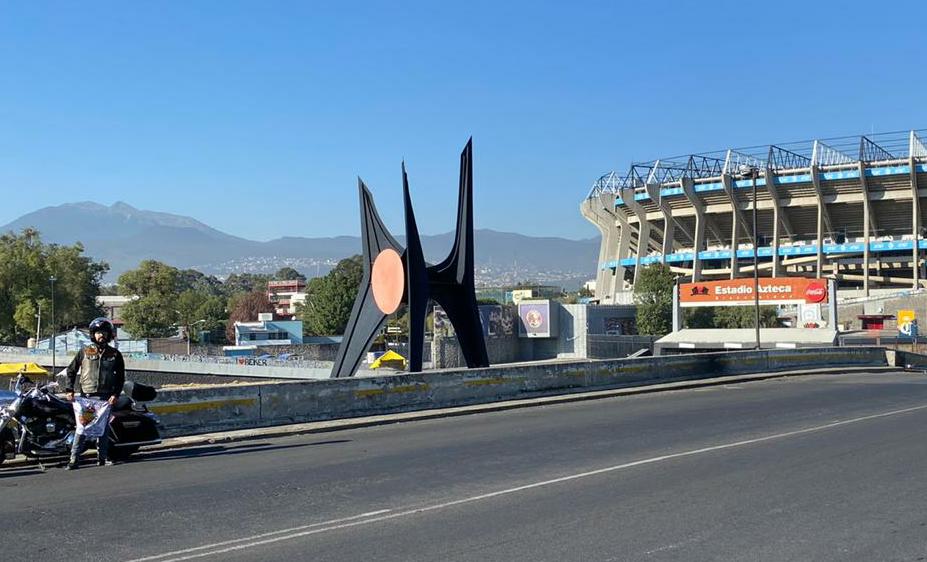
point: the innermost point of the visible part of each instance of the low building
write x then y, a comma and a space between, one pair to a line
285, 295
267, 331
112, 306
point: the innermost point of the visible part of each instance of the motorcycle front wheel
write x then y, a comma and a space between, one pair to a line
7, 445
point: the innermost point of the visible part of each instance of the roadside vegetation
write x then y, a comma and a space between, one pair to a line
27, 266
168, 299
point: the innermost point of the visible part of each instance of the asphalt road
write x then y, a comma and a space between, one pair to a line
828, 467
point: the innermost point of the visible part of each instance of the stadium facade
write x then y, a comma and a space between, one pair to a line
848, 208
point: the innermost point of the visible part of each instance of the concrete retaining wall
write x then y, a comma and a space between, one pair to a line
198, 410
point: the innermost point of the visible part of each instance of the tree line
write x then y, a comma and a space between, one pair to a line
27, 269
167, 299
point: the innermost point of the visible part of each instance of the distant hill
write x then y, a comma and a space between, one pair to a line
122, 236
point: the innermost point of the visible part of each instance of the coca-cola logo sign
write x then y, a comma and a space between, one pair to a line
816, 292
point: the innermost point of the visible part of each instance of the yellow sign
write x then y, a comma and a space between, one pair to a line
907, 324
905, 316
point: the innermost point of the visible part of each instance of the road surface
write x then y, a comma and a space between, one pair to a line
826, 467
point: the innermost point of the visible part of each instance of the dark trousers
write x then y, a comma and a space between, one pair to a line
77, 447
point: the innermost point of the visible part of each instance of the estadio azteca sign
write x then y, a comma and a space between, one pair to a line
739, 292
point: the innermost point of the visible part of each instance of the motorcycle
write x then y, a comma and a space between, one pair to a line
40, 425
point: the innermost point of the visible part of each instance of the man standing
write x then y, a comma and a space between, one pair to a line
102, 376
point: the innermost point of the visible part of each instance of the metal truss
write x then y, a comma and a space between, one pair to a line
701, 166
783, 159
916, 147
872, 152
736, 163
824, 155
835, 151
609, 183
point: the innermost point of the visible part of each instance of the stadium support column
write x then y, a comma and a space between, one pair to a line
624, 252
915, 223
643, 229
595, 210
822, 218
737, 221
698, 244
867, 213
780, 219
669, 225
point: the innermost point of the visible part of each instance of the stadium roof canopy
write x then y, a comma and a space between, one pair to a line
896, 145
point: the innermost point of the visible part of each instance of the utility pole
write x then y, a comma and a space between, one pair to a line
54, 343
756, 269
751, 171
38, 325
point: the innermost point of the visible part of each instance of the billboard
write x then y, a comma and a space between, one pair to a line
739, 292
907, 323
536, 319
496, 320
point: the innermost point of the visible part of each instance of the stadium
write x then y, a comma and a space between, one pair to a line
846, 208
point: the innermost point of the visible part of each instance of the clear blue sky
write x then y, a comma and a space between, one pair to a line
256, 117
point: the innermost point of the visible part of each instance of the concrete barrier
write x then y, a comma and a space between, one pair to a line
198, 410
157, 373
907, 359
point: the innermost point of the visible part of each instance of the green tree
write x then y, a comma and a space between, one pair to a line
155, 313
26, 266
25, 315
188, 308
213, 311
745, 317
288, 274
150, 278
653, 293
193, 280
728, 317
244, 283
699, 317
150, 317
330, 298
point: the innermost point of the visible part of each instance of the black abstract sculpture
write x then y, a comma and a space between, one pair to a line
394, 276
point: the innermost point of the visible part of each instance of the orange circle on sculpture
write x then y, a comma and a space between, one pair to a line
388, 281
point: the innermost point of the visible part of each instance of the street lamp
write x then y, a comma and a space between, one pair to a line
54, 344
751, 172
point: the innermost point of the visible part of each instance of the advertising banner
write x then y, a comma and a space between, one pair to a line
907, 323
739, 292
535, 319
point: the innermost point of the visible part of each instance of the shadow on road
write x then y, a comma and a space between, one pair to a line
172, 454
32, 470
223, 450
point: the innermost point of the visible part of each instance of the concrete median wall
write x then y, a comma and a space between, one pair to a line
198, 410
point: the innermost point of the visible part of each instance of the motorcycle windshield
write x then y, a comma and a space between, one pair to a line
6, 397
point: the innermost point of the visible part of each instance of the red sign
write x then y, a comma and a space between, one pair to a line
816, 291
739, 292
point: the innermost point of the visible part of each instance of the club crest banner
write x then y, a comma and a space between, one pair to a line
91, 416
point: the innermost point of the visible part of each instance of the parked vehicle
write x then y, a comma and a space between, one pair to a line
40, 425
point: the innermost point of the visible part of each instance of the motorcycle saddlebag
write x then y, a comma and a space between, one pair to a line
140, 392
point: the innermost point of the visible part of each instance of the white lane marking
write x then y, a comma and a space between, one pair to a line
262, 535
365, 520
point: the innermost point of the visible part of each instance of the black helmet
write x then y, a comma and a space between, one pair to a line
102, 325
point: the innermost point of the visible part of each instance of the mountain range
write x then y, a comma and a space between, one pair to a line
122, 236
